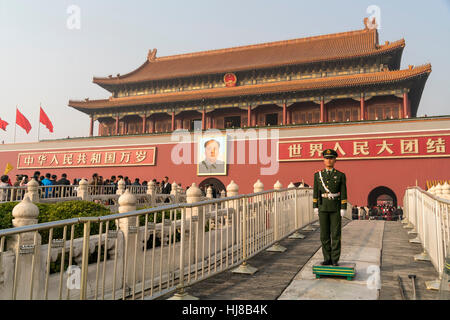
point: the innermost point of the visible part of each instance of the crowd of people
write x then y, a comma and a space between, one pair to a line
378, 212
108, 185
52, 179
96, 182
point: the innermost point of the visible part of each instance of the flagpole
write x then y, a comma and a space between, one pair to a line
15, 126
39, 119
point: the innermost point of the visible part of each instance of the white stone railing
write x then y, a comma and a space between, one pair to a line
427, 214
146, 253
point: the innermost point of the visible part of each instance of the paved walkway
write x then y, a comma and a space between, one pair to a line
275, 272
362, 242
288, 275
398, 259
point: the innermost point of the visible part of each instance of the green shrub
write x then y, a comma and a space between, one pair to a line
72, 209
59, 211
6, 214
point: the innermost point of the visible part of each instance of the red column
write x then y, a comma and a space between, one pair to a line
406, 108
91, 129
152, 125
322, 111
144, 120
284, 113
363, 108
289, 116
249, 116
409, 108
117, 125
204, 119
173, 120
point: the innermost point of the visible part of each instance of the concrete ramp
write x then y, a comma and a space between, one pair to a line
362, 242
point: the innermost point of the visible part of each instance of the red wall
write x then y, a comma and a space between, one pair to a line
362, 175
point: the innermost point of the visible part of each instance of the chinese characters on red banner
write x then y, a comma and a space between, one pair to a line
87, 158
366, 148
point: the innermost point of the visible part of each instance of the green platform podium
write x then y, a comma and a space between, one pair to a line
344, 269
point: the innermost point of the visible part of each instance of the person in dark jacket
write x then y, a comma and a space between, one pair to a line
355, 213
63, 181
166, 187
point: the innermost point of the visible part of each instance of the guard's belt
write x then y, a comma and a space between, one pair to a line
330, 195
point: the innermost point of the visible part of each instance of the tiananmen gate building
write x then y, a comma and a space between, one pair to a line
344, 91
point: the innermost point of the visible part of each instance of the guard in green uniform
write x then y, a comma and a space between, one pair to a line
330, 203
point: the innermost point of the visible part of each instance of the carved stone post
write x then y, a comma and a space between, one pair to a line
32, 190
175, 192
291, 204
232, 189
277, 218
129, 227
298, 211
120, 187
151, 191
209, 193
242, 213
82, 191
258, 186
29, 245
194, 194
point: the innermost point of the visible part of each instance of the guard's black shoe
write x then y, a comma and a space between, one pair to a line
326, 263
335, 263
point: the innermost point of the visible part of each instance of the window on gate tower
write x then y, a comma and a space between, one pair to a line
347, 115
317, 117
234, 121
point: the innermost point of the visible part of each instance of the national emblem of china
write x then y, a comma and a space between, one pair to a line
230, 79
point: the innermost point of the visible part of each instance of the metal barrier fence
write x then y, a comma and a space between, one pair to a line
428, 217
148, 253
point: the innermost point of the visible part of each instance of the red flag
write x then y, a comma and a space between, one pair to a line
3, 124
43, 118
22, 121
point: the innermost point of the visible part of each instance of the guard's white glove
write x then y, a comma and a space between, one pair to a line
316, 211
343, 212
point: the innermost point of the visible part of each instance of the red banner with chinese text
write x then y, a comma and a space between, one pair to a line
411, 146
87, 158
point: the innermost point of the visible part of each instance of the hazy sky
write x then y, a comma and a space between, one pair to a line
43, 61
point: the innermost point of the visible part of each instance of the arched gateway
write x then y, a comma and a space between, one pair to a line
381, 195
217, 184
